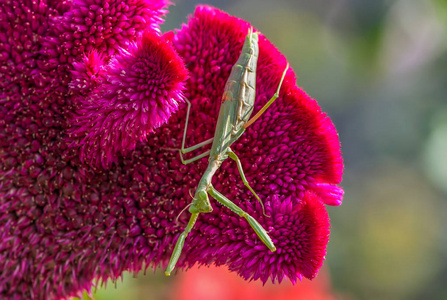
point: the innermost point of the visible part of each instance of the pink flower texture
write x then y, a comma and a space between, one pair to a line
87, 188
136, 93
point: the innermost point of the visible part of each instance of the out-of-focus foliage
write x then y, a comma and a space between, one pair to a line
379, 69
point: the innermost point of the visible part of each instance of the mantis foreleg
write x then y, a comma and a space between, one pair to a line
234, 157
260, 231
179, 245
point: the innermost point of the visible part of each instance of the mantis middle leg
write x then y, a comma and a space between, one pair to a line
180, 243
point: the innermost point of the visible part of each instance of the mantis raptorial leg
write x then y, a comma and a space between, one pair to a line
260, 231
180, 243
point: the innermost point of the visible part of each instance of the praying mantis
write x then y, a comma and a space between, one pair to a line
234, 118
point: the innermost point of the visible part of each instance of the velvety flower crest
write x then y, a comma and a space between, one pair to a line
294, 144
82, 26
140, 89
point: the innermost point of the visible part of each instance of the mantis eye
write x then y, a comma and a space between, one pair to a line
203, 195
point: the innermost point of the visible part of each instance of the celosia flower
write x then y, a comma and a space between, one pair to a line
87, 74
64, 223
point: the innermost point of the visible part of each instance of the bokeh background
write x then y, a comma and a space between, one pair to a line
378, 68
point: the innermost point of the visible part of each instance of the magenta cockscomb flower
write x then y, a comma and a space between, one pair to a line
139, 90
64, 223
104, 25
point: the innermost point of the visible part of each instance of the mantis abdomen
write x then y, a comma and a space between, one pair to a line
238, 97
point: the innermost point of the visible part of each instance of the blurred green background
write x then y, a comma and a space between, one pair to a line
379, 69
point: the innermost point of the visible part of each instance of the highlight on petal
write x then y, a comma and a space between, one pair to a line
141, 88
88, 73
331, 194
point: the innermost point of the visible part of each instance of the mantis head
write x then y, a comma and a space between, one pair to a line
200, 203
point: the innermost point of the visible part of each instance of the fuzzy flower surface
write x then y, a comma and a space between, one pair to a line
141, 87
69, 216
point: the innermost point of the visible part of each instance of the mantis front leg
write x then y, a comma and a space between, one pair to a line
260, 231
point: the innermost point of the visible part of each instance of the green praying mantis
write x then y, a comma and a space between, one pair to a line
234, 118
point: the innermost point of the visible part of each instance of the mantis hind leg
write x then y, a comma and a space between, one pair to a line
187, 161
234, 157
180, 243
184, 150
199, 145
260, 231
